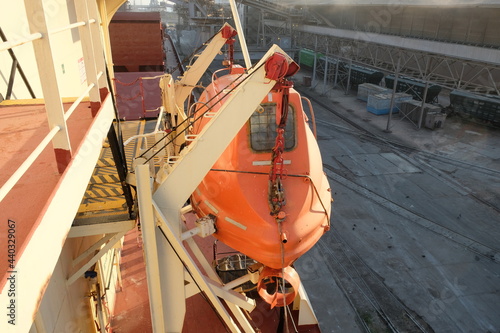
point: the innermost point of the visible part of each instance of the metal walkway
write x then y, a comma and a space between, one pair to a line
104, 200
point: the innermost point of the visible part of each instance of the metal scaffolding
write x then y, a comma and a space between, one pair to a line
446, 71
463, 67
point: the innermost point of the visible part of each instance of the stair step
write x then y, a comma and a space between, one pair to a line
103, 216
106, 153
104, 179
107, 174
96, 204
106, 162
103, 190
105, 170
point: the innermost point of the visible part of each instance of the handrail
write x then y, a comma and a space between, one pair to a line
14, 178
23, 40
67, 27
145, 135
312, 115
77, 102
79, 99
20, 41
138, 136
71, 26
160, 118
12, 181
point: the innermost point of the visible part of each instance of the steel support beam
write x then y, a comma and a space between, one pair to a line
149, 231
116, 146
325, 75
18, 66
188, 172
241, 34
396, 77
94, 247
112, 241
454, 66
211, 291
100, 228
50, 87
82, 14
187, 82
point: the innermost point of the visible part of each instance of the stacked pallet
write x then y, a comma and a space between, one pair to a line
380, 103
411, 110
367, 89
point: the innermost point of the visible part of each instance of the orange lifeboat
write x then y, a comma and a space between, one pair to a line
267, 190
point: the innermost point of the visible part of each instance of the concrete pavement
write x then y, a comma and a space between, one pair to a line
419, 225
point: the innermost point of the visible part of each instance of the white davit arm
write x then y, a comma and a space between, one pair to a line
194, 73
190, 169
241, 35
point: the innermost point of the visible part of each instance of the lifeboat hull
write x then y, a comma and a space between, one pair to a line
236, 189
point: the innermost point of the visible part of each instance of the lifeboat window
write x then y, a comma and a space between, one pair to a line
263, 124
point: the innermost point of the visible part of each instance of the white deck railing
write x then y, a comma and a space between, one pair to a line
12, 181
71, 26
27, 163
19, 41
77, 102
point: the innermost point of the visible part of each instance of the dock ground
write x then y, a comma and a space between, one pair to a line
414, 244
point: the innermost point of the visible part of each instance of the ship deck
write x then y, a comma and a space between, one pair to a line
427, 227
38, 210
412, 230
131, 312
22, 128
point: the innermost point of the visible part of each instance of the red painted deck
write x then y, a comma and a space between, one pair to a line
132, 312
22, 128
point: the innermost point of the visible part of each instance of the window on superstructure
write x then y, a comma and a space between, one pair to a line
263, 124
